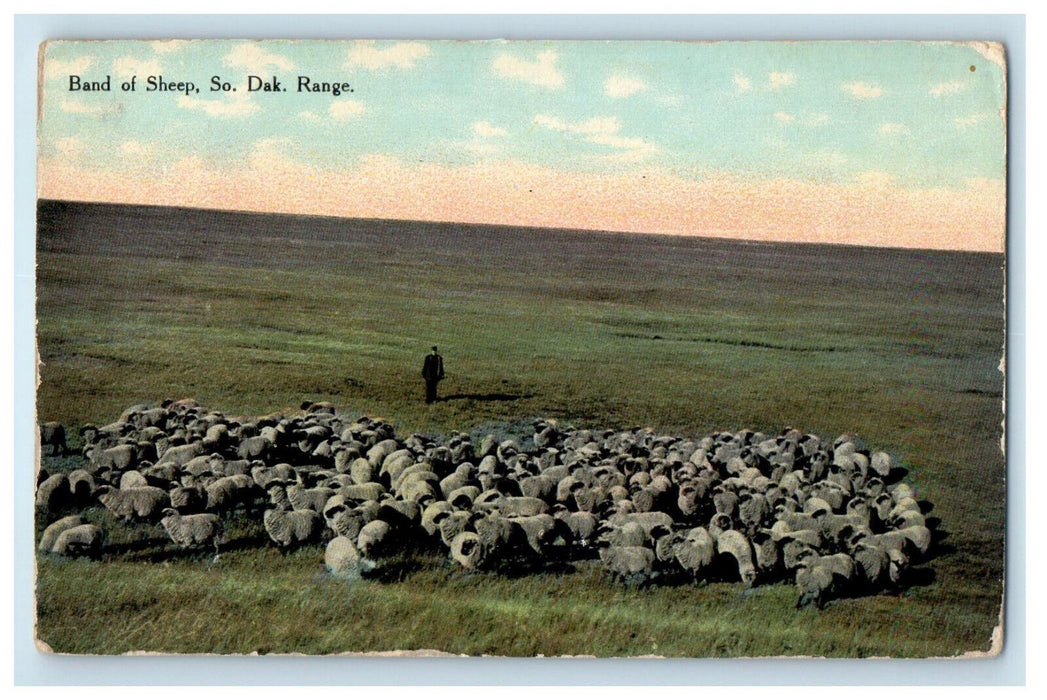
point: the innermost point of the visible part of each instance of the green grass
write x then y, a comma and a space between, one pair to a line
688, 336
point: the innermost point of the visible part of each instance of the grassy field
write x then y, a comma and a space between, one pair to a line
251, 313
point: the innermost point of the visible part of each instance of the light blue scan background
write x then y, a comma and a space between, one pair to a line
34, 668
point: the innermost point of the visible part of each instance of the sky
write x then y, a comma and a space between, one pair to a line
869, 143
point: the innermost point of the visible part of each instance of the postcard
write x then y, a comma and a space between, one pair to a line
521, 348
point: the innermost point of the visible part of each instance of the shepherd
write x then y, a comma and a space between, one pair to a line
432, 373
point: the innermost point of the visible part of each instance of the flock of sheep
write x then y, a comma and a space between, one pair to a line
749, 507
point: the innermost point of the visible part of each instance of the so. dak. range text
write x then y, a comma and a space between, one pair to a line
217, 83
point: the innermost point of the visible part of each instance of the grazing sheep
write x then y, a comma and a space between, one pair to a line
628, 563
194, 530
79, 541
696, 552
342, 558
53, 434
228, 492
451, 523
816, 586
467, 550
179, 455
54, 493
376, 539
132, 479
289, 528
308, 499
737, 547
188, 499
145, 502
52, 531
540, 531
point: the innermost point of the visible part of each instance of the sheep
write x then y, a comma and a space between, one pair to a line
52, 531
288, 528
451, 523
264, 476
54, 493
188, 499
376, 539
345, 521
467, 550
179, 455
735, 545
370, 491
82, 486
228, 492
696, 552
308, 499
342, 558
821, 577
540, 530
52, 434
132, 479
257, 447
429, 513
145, 502
815, 584
80, 540
628, 563
193, 530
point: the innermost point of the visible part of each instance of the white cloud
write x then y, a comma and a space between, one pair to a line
73, 106
228, 108
622, 86
948, 88
341, 110
742, 82
63, 69
780, 80
400, 55
964, 123
893, 129
541, 72
602, 131
863, 91
488, 129
596, 125
254, 59
309, 116
136, 149
622, 142
784, 117
168, 46
126, 66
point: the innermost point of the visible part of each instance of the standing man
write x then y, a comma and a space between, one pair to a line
432, 373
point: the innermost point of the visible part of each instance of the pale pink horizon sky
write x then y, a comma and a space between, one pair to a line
870, 210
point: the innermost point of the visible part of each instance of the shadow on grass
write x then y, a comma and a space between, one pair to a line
484, 397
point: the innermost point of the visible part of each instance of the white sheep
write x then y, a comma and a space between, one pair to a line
51, 533
292, 527
143, 502
191, 530
82, 540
